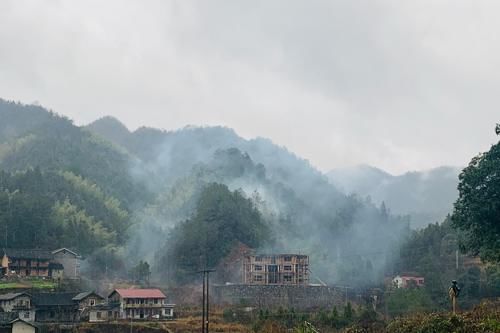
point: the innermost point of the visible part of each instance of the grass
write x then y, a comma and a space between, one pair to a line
25, 284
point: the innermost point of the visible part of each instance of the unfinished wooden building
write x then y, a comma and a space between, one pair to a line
277, 269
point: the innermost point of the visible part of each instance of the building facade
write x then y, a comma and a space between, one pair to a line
25, 263
70, 262
56, 307
141, 304
276, 269
406, 281
19, 303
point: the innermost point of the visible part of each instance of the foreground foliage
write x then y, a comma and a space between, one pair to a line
484, 318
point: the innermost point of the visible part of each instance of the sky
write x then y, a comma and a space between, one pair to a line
401, 85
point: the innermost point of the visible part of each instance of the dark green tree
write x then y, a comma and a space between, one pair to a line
477, 209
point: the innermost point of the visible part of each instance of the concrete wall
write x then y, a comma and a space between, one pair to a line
27, 315
298, 297
70, 262
20, 327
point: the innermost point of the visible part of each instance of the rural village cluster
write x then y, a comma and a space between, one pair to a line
27, 310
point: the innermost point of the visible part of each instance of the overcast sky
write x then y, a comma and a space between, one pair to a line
402, 85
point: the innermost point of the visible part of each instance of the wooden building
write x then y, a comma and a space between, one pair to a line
141, 304
23, 262
56, 307
276, 269
19, 303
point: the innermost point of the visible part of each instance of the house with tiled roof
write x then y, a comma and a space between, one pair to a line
70, 261
56, 307
141, 303
57, 264
19, 303
26, 262
9, 322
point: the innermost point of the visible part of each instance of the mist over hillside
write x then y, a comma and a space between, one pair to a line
306, 213
426, 196
150, 188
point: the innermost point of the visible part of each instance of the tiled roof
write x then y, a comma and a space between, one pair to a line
28, 254
83, 295
56, 265
7, 317
54, 299
65, 250
140, 293
10, 296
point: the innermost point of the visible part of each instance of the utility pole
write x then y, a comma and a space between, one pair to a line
205, 315
204, 303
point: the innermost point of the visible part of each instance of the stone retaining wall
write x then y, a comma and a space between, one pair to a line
298, 297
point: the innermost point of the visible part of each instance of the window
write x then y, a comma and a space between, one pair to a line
287, 278
92, 302
258, 267
156, 301
258, 277
288, 258
258, 258
98, 314
26, 315
110, 314
287, 267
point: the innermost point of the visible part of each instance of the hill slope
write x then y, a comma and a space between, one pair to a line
426, 196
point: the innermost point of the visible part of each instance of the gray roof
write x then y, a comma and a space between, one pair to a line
11, 296
24, 321
86, 294
7, 317
54, 299
28, 254
65, 250
55, 265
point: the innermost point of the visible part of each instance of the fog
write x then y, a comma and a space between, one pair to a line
350, 239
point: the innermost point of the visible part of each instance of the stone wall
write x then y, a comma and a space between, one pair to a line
298, 297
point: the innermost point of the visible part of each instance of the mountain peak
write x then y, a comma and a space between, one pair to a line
111, 128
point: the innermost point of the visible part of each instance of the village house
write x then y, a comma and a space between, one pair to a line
58, 264
56, 307
10, 323
277, 269
407, 280
141, 304
69, 260
26, 262
19, 303
88, 299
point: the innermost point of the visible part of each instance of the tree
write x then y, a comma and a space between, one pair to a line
221, 220
141, 272
477, 209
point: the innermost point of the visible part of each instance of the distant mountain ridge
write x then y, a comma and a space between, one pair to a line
427, 196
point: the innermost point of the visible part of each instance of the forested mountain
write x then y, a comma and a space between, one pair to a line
305, 212
61, 185
122, 197
427, 197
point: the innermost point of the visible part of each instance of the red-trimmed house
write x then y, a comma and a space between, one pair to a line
405, 281
141, 304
